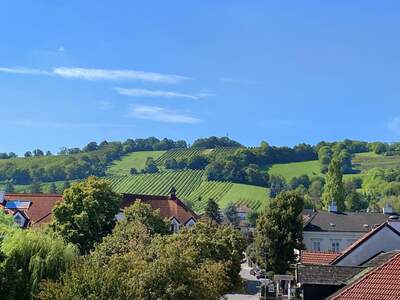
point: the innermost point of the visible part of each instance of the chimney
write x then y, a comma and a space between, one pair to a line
332, 207
2, 194
387, 209
172, 193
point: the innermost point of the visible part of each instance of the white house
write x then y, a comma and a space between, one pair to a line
333, 231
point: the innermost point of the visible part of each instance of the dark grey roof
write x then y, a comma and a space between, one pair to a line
326, 274
380, 259
344, 221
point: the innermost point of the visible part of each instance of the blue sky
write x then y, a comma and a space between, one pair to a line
285, 72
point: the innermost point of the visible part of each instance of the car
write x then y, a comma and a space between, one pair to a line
261, 274
254, 270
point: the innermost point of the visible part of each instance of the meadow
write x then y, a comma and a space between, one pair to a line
132, 160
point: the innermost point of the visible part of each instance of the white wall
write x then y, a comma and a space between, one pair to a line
345, 239
383, 241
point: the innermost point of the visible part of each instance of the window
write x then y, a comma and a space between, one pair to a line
174, 226
335, 245
316, 245
19, 220
190, 223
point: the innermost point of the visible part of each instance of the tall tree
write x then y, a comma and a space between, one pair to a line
32, 256
212, 211
87, 213
279, 231
334, 189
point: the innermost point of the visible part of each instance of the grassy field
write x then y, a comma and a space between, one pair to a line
254, 197
133, 160
369, 160
290, 170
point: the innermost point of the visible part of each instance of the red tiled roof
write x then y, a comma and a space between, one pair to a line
317, 258
40, 210
169, 207
361, 240
382, 283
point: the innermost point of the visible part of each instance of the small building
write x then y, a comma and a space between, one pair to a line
335, 231
29, 209
170, 208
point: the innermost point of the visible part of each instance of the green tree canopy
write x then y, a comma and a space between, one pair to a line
87, 213
334, 189
212, 211
279, 231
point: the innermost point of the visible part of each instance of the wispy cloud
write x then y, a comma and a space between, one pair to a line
394, 124
98, 74
103, 74
160, 114
156, 93
61, 49
22, 70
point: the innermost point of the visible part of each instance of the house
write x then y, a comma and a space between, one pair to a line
334, 231
170, 208
29, 209
321, 274
383, 238
36, 209
382, 282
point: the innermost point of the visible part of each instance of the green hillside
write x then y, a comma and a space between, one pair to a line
132, 160
290, 170
369, 160
191, 187
159, 183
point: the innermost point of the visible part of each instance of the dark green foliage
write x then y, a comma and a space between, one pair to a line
231, 214
303, 180
252, 217
9, 187
378, 147
171, 163
277, 184
334, 189
214, 142
279, 232
151, 166
355, 202
87, 213
146, 215
197, 162
133, 171
212, 211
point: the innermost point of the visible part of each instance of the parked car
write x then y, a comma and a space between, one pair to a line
261, 274
254, 270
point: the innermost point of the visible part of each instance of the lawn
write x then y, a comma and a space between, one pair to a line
290, 170
133, 160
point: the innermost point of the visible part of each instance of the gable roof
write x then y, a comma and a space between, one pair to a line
343, 221
40, 209
326, 274
362, 240
317, 258
380, 259
381, 283
170, 207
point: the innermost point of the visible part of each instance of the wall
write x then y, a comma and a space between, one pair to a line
345, 239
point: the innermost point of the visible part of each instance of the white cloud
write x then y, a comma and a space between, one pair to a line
61, 49
160, 114
21, 70
104, 74
155, 93
394, 124
99, 74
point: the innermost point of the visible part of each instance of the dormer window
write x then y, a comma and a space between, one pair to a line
190, 223
175, 225
19, 220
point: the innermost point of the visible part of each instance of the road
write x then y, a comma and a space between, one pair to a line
252, 286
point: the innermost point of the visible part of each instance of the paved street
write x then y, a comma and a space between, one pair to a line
252, 286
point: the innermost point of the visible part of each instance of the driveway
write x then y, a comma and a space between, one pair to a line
252, 286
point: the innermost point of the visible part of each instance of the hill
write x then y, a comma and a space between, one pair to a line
290, 170
191, 187
132, 160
